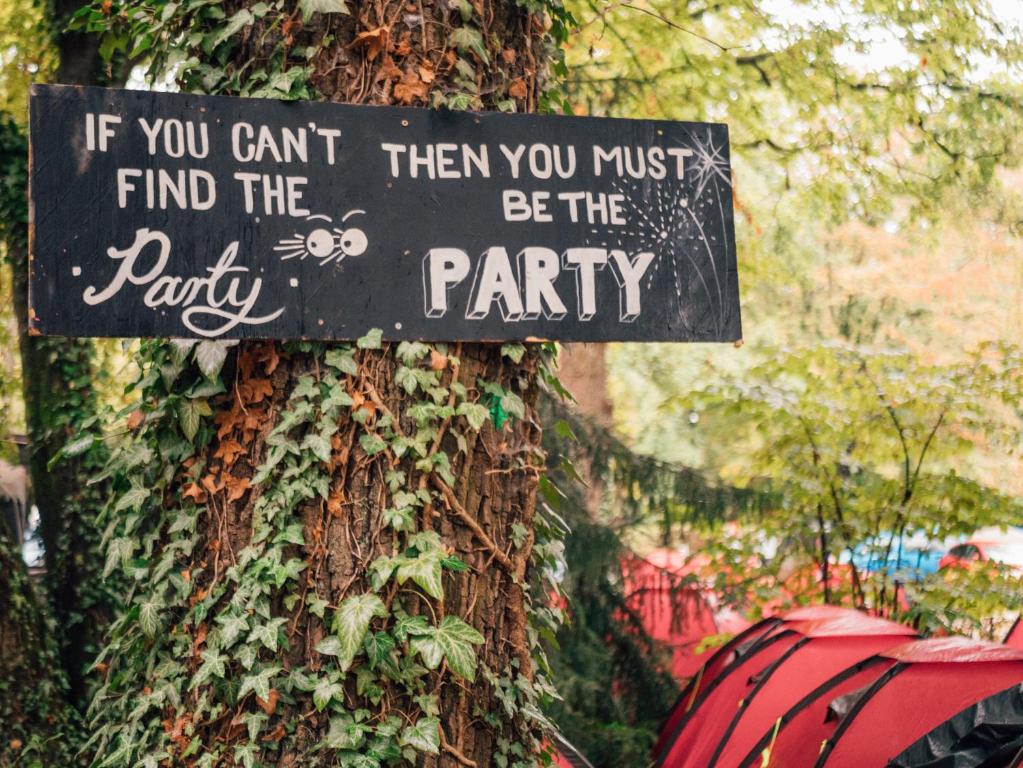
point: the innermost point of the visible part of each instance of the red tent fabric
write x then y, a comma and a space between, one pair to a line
1014, 637
725, 656
797, 737
661, 589
829, 646
930, 682
710, 670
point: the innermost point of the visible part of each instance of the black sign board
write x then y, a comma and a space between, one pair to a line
161, 214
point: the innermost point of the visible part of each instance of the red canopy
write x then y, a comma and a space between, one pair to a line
930, 682
830, 646
726, 655
1014, 637
795, 739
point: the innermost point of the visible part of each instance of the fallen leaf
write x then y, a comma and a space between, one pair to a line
276, 734
374, 41
404, 47
410, 89
517, 88
269, 704
194, 492
229, 450
236, 487
427, 72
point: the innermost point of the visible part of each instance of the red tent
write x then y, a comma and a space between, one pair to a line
988, 733
828, 647
662, 590
1014, 637
796, 737
931, 681
788, 662
724, 657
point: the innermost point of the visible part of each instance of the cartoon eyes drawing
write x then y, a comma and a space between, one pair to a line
327, 245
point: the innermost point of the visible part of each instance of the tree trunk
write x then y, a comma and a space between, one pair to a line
35, 724
341, 574
60, 405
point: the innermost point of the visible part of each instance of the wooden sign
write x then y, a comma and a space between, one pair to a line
175, 215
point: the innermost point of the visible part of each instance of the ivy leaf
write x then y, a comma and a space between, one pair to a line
258, 683
231, 627
344, 733
210, 355
424, 736
371, 340
149, 618
189, 414
351, 622
266, 634
213, 667
329, 646
410, 626
371, 444
474, 413
309, 7
325, 691
513, 352
132, 499
342, 360
452, 640
378, 647
241, 19
425, 571
318, 444
79, 446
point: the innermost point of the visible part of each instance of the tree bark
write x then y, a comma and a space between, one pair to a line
475, 485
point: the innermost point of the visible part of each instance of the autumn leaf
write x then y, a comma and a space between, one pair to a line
411, 89
509, 55
213, 484
427, 72
269, 704
438, 362
228, 450
404, 47
194, 492
517, 88
236, 487
374, 41
136, 418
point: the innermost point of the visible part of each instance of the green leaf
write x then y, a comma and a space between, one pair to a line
424, 736
342, 360
424, 570
149, 618
452, 640
267, 634
345, 733
318, 445
309, 7
378, 647
133, 498
242, 18
372, 444
325, 691
474, 413
79, 446
329, 646
513, 352
351, 622
190, 413
371, 340
258, 683
210, 355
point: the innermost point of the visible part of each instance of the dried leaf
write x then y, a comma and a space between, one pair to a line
269, 704
411, 89
517, 89
374, 40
